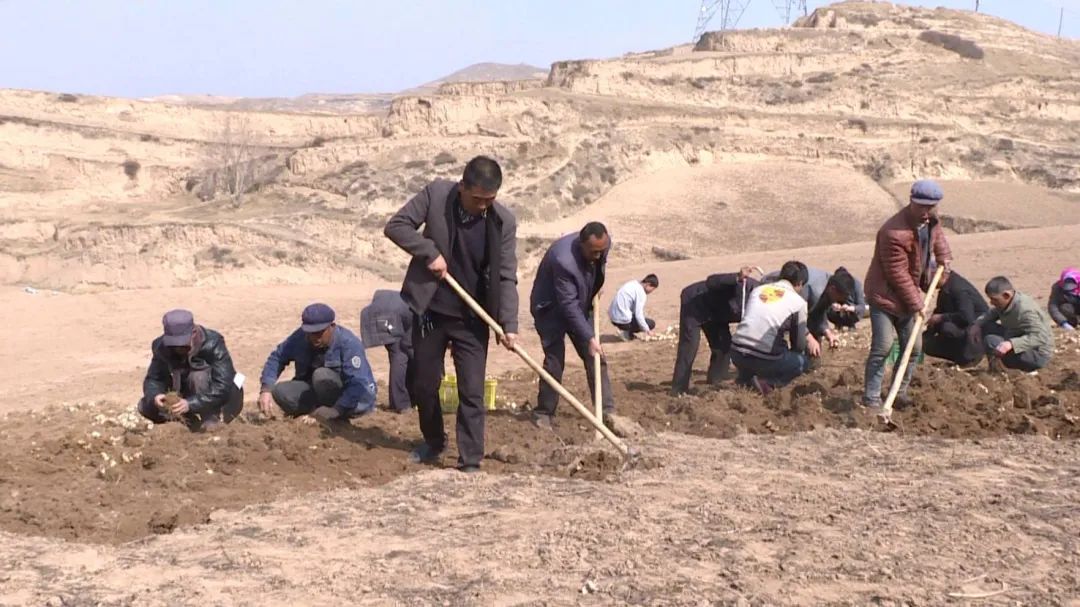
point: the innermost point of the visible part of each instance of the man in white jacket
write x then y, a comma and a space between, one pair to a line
627, 311
773, 310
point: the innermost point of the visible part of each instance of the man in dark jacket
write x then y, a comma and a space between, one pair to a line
959, 304
1064, 303
387, 321
569, 275
900, 273
709, 306
333, 379
193, 362
472, 237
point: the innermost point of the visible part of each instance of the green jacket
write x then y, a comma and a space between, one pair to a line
1026, 323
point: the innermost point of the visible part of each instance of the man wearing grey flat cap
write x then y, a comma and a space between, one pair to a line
909, 247
333, 379
193, 362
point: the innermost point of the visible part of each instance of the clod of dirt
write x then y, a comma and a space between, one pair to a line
505, 454
1025, 390
623, 427
595, 465
1071, 381
848, 378
171, 398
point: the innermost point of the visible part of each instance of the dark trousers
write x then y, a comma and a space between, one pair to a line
553, 340
778, 372
468, 343
1069, 312
298, 398
692, 322
951, 343
994, 336
197, 382
842, 319
399, 375
632, 327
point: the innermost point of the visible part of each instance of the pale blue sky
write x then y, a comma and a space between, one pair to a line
139, 48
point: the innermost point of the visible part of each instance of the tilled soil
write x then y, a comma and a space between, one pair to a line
830, 517
95, 472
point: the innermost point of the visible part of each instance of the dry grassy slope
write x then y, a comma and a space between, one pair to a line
853, 91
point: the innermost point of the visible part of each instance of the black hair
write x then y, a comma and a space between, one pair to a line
484, 173
794, 272
593, 229
842, 281
651, 280
998, 285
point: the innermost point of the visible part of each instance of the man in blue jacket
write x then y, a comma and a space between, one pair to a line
333, 379
570, 274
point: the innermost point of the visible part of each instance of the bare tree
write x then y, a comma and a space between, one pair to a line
237, 162
236, 166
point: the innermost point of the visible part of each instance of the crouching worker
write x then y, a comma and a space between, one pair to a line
709, 307
333, 379
837, 298
959, 304
627, 311
773, 310
387, 321
192, 362
841, 303
1016, 331
1064, 304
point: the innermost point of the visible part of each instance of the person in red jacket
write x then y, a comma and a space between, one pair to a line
907, 247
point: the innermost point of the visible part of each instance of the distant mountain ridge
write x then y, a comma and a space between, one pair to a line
358, 102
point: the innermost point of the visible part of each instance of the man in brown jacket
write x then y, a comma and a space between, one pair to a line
900, 272
472, 237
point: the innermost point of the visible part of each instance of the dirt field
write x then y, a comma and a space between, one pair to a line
104, 450
760, 147
827, 517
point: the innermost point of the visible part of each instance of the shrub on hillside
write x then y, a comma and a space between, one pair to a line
131, 168
67, 98
961, 46
821, 78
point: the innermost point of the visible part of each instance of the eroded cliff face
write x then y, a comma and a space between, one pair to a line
89, 186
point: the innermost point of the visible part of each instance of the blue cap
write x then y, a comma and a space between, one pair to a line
178, 327
926, 192
316, 317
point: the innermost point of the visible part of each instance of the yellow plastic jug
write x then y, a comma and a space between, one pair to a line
490, 385
448, 394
